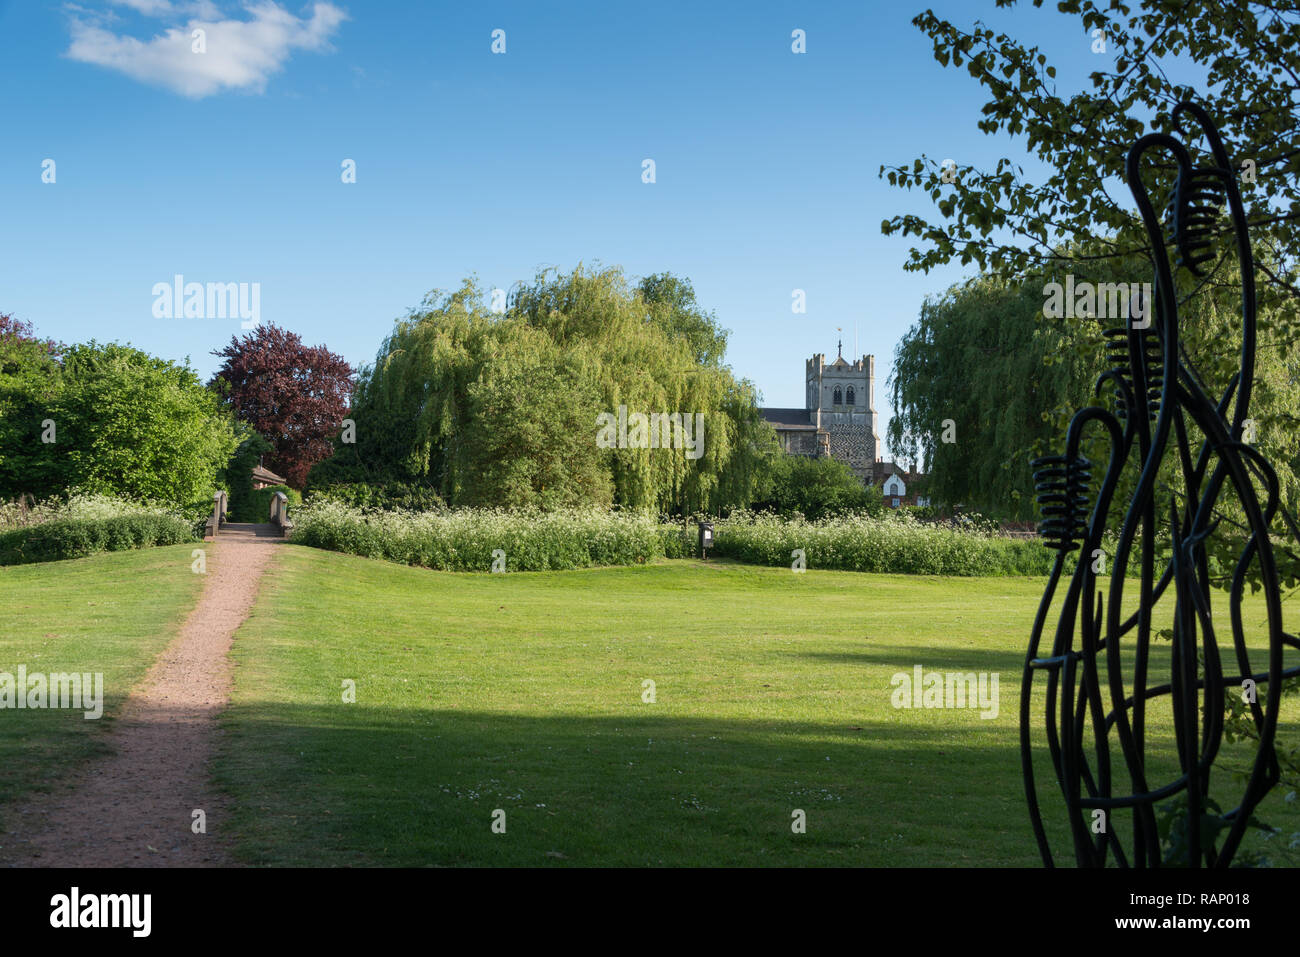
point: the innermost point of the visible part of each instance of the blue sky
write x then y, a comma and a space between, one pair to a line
470, 162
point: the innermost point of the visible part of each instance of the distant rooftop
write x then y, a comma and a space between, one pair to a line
788, 417
263, 474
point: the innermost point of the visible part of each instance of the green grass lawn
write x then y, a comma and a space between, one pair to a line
523, 692
111, 613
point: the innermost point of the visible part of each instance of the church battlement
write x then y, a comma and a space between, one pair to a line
866, 364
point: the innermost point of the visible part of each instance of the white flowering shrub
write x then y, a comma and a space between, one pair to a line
895, 543
464, 539
84, 525
81, 506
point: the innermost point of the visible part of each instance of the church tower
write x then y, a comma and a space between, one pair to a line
839, 415
841, 401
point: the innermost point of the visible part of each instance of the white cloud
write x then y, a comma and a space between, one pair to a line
150, 8
206, 9
240, 55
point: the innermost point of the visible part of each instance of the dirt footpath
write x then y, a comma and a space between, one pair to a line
134, 808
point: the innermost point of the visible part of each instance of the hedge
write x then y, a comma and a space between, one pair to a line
384, 496
79, 537
260, 503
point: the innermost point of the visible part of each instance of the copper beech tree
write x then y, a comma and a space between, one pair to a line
295, 396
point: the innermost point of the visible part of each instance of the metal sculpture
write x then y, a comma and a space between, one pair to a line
1099, 675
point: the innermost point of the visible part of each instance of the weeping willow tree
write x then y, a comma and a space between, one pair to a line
502, 409
985, 360
979, 382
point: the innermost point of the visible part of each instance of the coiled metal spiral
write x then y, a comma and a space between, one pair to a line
1061, 487
1153, 358
1198, 197
1117, 359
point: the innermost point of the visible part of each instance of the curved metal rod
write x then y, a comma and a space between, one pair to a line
1160, 398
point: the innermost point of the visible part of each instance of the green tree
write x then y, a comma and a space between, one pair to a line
453, 400
1079, 220
532, 445
29, 380
1246, 58
979, 385
985, 359
817, 488
674, 308
237, 477
139, 427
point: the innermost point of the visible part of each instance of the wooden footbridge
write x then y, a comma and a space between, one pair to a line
278, 527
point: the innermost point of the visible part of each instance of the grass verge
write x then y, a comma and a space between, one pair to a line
110, 613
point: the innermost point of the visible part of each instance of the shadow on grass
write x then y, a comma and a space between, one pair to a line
350, 785
42, 748
937, 658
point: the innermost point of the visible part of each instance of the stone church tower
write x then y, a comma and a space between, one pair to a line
839, 417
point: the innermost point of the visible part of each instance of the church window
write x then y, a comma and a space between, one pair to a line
839, 396
851, 396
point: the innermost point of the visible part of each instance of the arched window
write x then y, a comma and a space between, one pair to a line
851, 396
839, 397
